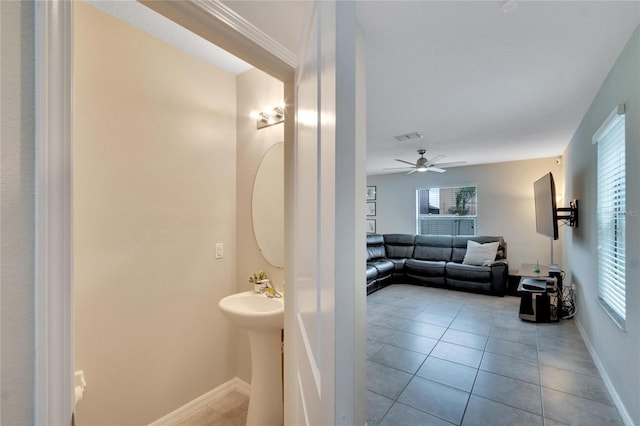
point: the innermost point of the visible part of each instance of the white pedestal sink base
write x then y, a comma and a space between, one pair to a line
265, 403
263, 317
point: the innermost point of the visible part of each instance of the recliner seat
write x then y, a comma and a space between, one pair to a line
379, 268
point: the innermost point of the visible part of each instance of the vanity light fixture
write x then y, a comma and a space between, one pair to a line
266, 119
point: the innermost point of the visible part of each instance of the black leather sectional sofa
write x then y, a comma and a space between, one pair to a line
435, 261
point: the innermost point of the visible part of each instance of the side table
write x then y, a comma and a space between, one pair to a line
540, 290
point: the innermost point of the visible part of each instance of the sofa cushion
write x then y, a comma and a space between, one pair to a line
475, 286
480, 254
425, 272
384, 266
460, 246
398, 265
463, 272
399, 246
372, 273
427, 268
437, 248
375, 247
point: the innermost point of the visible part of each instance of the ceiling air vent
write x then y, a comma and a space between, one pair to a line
406, 137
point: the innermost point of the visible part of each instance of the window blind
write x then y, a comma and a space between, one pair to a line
611, 215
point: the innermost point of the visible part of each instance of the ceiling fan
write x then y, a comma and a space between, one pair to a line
423, 164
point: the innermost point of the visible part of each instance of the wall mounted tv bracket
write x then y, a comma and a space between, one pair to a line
569, 214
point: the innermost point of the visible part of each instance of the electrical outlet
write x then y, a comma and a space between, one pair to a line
219, 250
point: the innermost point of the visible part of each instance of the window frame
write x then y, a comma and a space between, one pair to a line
611, 234
474, 217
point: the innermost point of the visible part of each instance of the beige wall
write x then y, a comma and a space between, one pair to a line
154, 191
505, 203
17, 226
256, 92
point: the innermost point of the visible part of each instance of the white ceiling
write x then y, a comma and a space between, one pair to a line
480, 84
483, 85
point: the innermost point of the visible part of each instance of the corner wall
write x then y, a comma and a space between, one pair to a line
616, 351
505, 203
154, 191
256, 91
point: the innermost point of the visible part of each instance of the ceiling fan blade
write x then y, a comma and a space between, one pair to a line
434, 159
406, 162
398, 168
455, 163
435, 169
412, 171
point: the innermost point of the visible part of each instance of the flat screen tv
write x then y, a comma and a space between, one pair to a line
544, 190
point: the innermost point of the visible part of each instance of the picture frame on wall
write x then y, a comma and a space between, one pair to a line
371, 193
371, 209
371, 226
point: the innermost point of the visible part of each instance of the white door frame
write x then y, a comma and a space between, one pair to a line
326, 344
54, 195
54, 393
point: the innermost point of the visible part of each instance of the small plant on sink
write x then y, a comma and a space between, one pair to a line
259, 280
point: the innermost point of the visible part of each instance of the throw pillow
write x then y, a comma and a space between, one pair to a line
480, 254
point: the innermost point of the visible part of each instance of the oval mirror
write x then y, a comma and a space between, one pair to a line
267, 205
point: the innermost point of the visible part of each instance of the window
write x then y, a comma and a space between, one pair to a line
447, 211
611, 212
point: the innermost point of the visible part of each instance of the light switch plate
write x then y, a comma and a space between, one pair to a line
219, 250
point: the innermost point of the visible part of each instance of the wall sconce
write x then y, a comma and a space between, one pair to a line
266, 119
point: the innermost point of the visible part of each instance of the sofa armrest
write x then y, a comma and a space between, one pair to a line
499, 277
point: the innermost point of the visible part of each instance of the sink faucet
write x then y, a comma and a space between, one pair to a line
270, 291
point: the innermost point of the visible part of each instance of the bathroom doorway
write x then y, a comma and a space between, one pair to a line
165, 156
54, 364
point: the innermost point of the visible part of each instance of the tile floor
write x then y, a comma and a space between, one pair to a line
228, 411
443, 357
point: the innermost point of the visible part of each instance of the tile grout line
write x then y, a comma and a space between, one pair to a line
544, 418
475, 378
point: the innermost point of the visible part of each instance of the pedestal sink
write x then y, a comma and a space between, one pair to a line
263, 317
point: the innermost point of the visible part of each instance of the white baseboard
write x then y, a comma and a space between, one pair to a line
179, 415
626, 418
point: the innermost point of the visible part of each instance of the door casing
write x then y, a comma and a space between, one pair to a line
54, 394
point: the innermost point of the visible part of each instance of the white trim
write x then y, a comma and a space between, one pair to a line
216, 22
617, 111
305, 36
223, 13
54, 392
182, 414
624, 414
